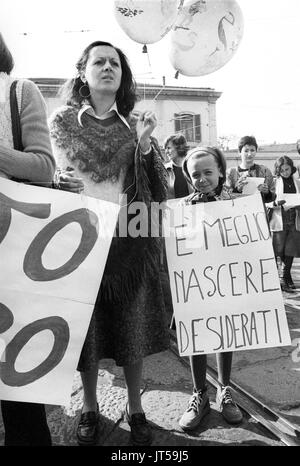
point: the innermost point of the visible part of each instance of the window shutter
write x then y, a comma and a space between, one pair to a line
198, 128
177, 122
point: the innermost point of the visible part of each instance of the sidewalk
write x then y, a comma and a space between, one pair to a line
167, 389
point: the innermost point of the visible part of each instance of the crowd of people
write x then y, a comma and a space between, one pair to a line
95, 143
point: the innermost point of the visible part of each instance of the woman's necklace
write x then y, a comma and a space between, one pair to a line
288, 182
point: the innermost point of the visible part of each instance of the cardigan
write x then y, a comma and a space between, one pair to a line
196, 197
260, 171
36, 162
105, 155
276, 223
170, 167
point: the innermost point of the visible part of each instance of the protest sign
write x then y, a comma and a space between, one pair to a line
252, 185
291, 200
224, 281
53, 249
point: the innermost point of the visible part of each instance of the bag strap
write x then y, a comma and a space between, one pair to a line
15, 118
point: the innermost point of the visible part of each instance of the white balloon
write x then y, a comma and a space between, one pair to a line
205, 36
146, 21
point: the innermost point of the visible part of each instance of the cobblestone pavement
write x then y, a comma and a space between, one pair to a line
167, 388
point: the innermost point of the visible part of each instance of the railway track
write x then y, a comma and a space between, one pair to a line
278, 426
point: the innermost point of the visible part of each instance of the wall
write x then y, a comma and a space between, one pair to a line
165, 111
262, 157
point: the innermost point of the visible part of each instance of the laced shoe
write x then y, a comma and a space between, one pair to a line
198, 407
229, 410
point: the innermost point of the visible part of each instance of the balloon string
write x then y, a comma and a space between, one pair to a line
163, 87
145, 50
190, 128
149, 63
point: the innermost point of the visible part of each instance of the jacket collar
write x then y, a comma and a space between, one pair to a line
87, 108
168, 165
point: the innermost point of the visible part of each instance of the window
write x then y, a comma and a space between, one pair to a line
189, 125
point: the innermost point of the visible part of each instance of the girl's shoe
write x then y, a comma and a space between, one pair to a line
198, 407
228, 408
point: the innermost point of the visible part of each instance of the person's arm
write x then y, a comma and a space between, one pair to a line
36, 163
268, 194
234, 182
157, 173
151, 175
67, 181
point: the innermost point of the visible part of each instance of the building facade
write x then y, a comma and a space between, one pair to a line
191, 111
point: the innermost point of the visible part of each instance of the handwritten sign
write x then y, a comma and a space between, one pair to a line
224, 281
53, 249
291, 200
252, 185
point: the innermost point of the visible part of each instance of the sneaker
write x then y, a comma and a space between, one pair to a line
87, 430
229, 410
198, 407
141, 433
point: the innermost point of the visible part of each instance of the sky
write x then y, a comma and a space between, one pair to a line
260, 85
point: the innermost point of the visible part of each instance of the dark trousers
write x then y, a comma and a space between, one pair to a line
25, 424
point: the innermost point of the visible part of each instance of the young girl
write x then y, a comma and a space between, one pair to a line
285, 222
205, 169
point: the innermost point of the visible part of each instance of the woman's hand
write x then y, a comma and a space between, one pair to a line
68, 182
144, 128
263, 188
241, 182
280, 202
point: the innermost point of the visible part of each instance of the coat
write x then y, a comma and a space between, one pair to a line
276, 223
171, 181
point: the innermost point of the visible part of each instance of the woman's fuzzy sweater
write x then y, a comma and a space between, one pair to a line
107, 153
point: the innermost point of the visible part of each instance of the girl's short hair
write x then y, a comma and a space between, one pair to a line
126, 96
284, 159
6, 59
247, 140
179, 142
202, 151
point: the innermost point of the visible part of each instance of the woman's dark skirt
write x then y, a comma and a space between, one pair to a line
127, 332
287, 241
